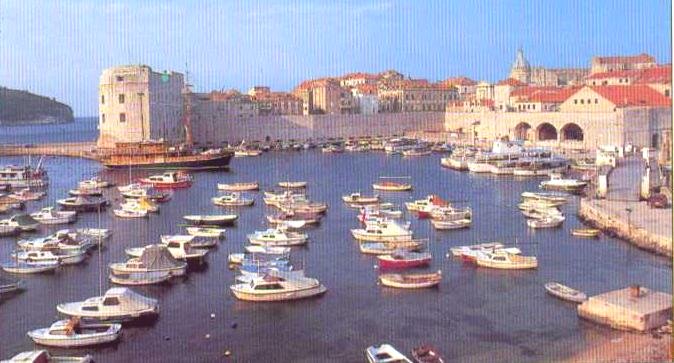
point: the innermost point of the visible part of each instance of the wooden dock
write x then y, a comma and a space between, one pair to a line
86, 150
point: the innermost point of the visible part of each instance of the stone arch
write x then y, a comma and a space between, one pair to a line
522, 131
546, 131
572, 131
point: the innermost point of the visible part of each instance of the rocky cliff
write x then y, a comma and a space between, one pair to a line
22, 107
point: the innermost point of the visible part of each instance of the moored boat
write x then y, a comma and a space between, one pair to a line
426, 354
127, 213
58, 256
546, 222
404, 259
556, 182
385, 353
277, 237
43, 356
357, 198
82, 204
206, 232
411, 281
171, 179
24, 176
585, 232
153, 259
26, 195
116, 305
386, 248
215, 220
232, 199
179, 249
49, 215
382, 230
9, 285
158, 154
500, 259
292, 184
564, 292
86, 192
278, 286
25, 267
448, 225
239, 187
76, 333
392, 186
94, 183
139, 278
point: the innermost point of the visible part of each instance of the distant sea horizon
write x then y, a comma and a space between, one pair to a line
80, 130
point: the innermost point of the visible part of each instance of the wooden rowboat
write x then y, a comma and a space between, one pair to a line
295, 184
212, 219
411, 281
585, 232
239, 187
390, 186
564, 292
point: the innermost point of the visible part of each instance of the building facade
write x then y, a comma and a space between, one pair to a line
138, 104
540, 76
621, 63
415, 96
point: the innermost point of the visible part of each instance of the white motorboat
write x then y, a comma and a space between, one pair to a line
24, 176
63, 241
431, 200
117, 305
385, 353
63, 258
447, 225
382, 230
194, 241
392, 186
130, 187
153, 259
239, 187
125, 213
75, 333
139, 278
139, 205
43, 356
278, 286
94, 183
233, 199
451, 213
546, 222
277, 237
49, 215
556, 182
24, 222
206, 232
357, 198
179, 249
552, 197
95, 233
292, 184
215, 220
237, 258
26, 195
471, 250
24, 267
501, 259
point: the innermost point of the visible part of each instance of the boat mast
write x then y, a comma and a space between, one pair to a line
187, 108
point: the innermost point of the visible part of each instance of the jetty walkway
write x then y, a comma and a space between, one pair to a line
623, 214
73, 149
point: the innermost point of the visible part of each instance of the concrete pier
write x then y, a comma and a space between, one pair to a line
633, 308
73, 149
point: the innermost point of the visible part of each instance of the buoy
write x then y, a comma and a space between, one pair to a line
375, 267
208, 336
212, 316
227, 353
234, 325
167, 338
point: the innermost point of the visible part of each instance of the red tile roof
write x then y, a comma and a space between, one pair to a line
358, 75
659, 74
544, 94
511, 82
367, 88
459, 81
641, 58
635, 95
314, 83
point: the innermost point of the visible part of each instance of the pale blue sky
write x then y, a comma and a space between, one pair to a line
58, 48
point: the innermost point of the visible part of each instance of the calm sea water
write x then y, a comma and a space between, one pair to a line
475, 315
82, 129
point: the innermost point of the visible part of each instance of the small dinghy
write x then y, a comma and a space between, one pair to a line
239, 187
140, 278
43, 356
49, 215
585, 232
82, 204
426, 354
385, 353
233, 199
411, 281
546, 222
391, 186
448, 225
26, 195
357, 198
292, 184
124, 213
564, 292
18, 267
117, 305
404, 259
206, 232
76, 333
216, 220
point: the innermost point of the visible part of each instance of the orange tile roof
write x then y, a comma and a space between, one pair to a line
634, 95
511, 82
459, 81
357, 75
367, 88
660, 74
641, 58
544, 94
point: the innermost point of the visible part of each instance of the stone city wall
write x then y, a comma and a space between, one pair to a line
207, 130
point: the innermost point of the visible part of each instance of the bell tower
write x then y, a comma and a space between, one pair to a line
521, 70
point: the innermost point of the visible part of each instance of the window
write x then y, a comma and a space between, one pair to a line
110, 301
120, 79
582, 102
596, 101
666, 93
102, 118
589, 101
102, 99
121, 98
122, 117
575, 102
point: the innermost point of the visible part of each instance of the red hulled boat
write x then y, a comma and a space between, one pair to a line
404, 259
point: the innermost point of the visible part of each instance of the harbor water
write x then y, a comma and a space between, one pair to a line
475, 314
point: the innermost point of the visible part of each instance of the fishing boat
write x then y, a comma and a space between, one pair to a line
159, 155
206, 232
371, 213
25, 267
179, 249
214, 220
385, 353
63, 258
277, 237
239, 187
448, 225
49, 215
278, 286
305, 207
233, 199
404, 259
75, 333
24, 222
426, 354
292, 184
26, 195
149, 193
392, 186
118, 304
546, 222
194, 241
501, 259
86, 192
94, 183
451, 213
140, 204
550, 197
430, 200
126, 213
82, 204
556, 182
357, 198
171, 179
411, 281
541, 213
153, 258
585, 232
140, 278
383, 230
24, 176
8, 285
471, 251
564, 292
43, 356
387, 248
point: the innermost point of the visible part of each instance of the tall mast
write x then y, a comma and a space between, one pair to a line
187, 107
